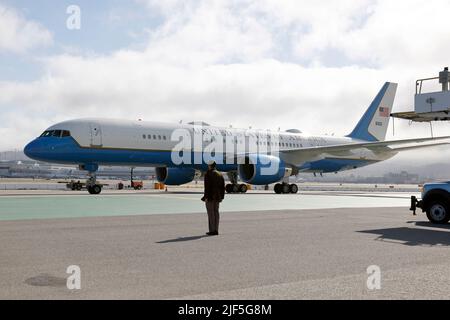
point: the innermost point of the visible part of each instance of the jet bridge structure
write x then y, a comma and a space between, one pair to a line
430, 106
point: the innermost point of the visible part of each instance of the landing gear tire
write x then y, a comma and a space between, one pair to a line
243, 188
95, 189
236, 188
293, 188
438, 212
285, 188
277, 188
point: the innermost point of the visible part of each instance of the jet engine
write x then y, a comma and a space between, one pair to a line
175, 176
263, 169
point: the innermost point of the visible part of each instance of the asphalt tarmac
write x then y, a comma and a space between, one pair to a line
274, 254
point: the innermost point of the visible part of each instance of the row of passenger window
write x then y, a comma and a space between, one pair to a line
154, 137
56, 133
281, 144
235, 140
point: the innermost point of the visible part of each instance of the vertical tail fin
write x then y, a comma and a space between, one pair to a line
374, 123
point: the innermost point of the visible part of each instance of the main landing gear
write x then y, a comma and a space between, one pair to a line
285, 188
236, 188
91, 183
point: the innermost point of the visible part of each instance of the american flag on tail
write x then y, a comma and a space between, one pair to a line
384, 112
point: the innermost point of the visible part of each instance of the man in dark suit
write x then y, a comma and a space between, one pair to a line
213, 195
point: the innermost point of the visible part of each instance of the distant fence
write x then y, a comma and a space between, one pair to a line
39, 186
32, 186
59, 186
355, 188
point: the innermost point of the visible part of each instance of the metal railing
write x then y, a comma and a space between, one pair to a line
419, 84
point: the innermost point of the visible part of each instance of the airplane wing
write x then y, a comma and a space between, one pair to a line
315, 151
306, 154
420, 146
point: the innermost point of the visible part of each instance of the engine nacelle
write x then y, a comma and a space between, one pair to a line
175, 176
263, 169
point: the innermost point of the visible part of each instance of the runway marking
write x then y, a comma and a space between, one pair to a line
25, 196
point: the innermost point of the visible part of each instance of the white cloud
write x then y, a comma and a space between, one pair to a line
382, 33
208, 32
166, 7
18, 34
397, 35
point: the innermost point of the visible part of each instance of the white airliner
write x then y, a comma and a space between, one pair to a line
253, 156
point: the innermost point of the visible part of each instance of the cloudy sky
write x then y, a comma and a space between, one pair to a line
312, 65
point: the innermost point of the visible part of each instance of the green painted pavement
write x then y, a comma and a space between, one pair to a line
74, 206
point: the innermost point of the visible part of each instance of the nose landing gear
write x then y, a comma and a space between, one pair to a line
91, 184
94, 189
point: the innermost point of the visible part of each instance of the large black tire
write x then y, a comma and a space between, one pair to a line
235, 188
277, 188
293, 188
243, 188
438, 211
228, 188
285, 188
95, 189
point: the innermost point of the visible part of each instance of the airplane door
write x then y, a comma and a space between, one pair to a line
96, 135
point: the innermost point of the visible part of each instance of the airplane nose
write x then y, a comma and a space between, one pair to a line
30, 150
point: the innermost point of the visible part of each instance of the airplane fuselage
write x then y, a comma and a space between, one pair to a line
141, 143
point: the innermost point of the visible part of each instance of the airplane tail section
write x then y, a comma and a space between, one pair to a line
374, 123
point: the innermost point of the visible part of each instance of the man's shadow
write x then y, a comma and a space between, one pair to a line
182, 239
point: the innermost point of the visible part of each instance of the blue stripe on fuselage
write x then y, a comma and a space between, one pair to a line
67, 151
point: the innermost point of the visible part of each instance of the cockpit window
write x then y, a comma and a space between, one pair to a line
55, 133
